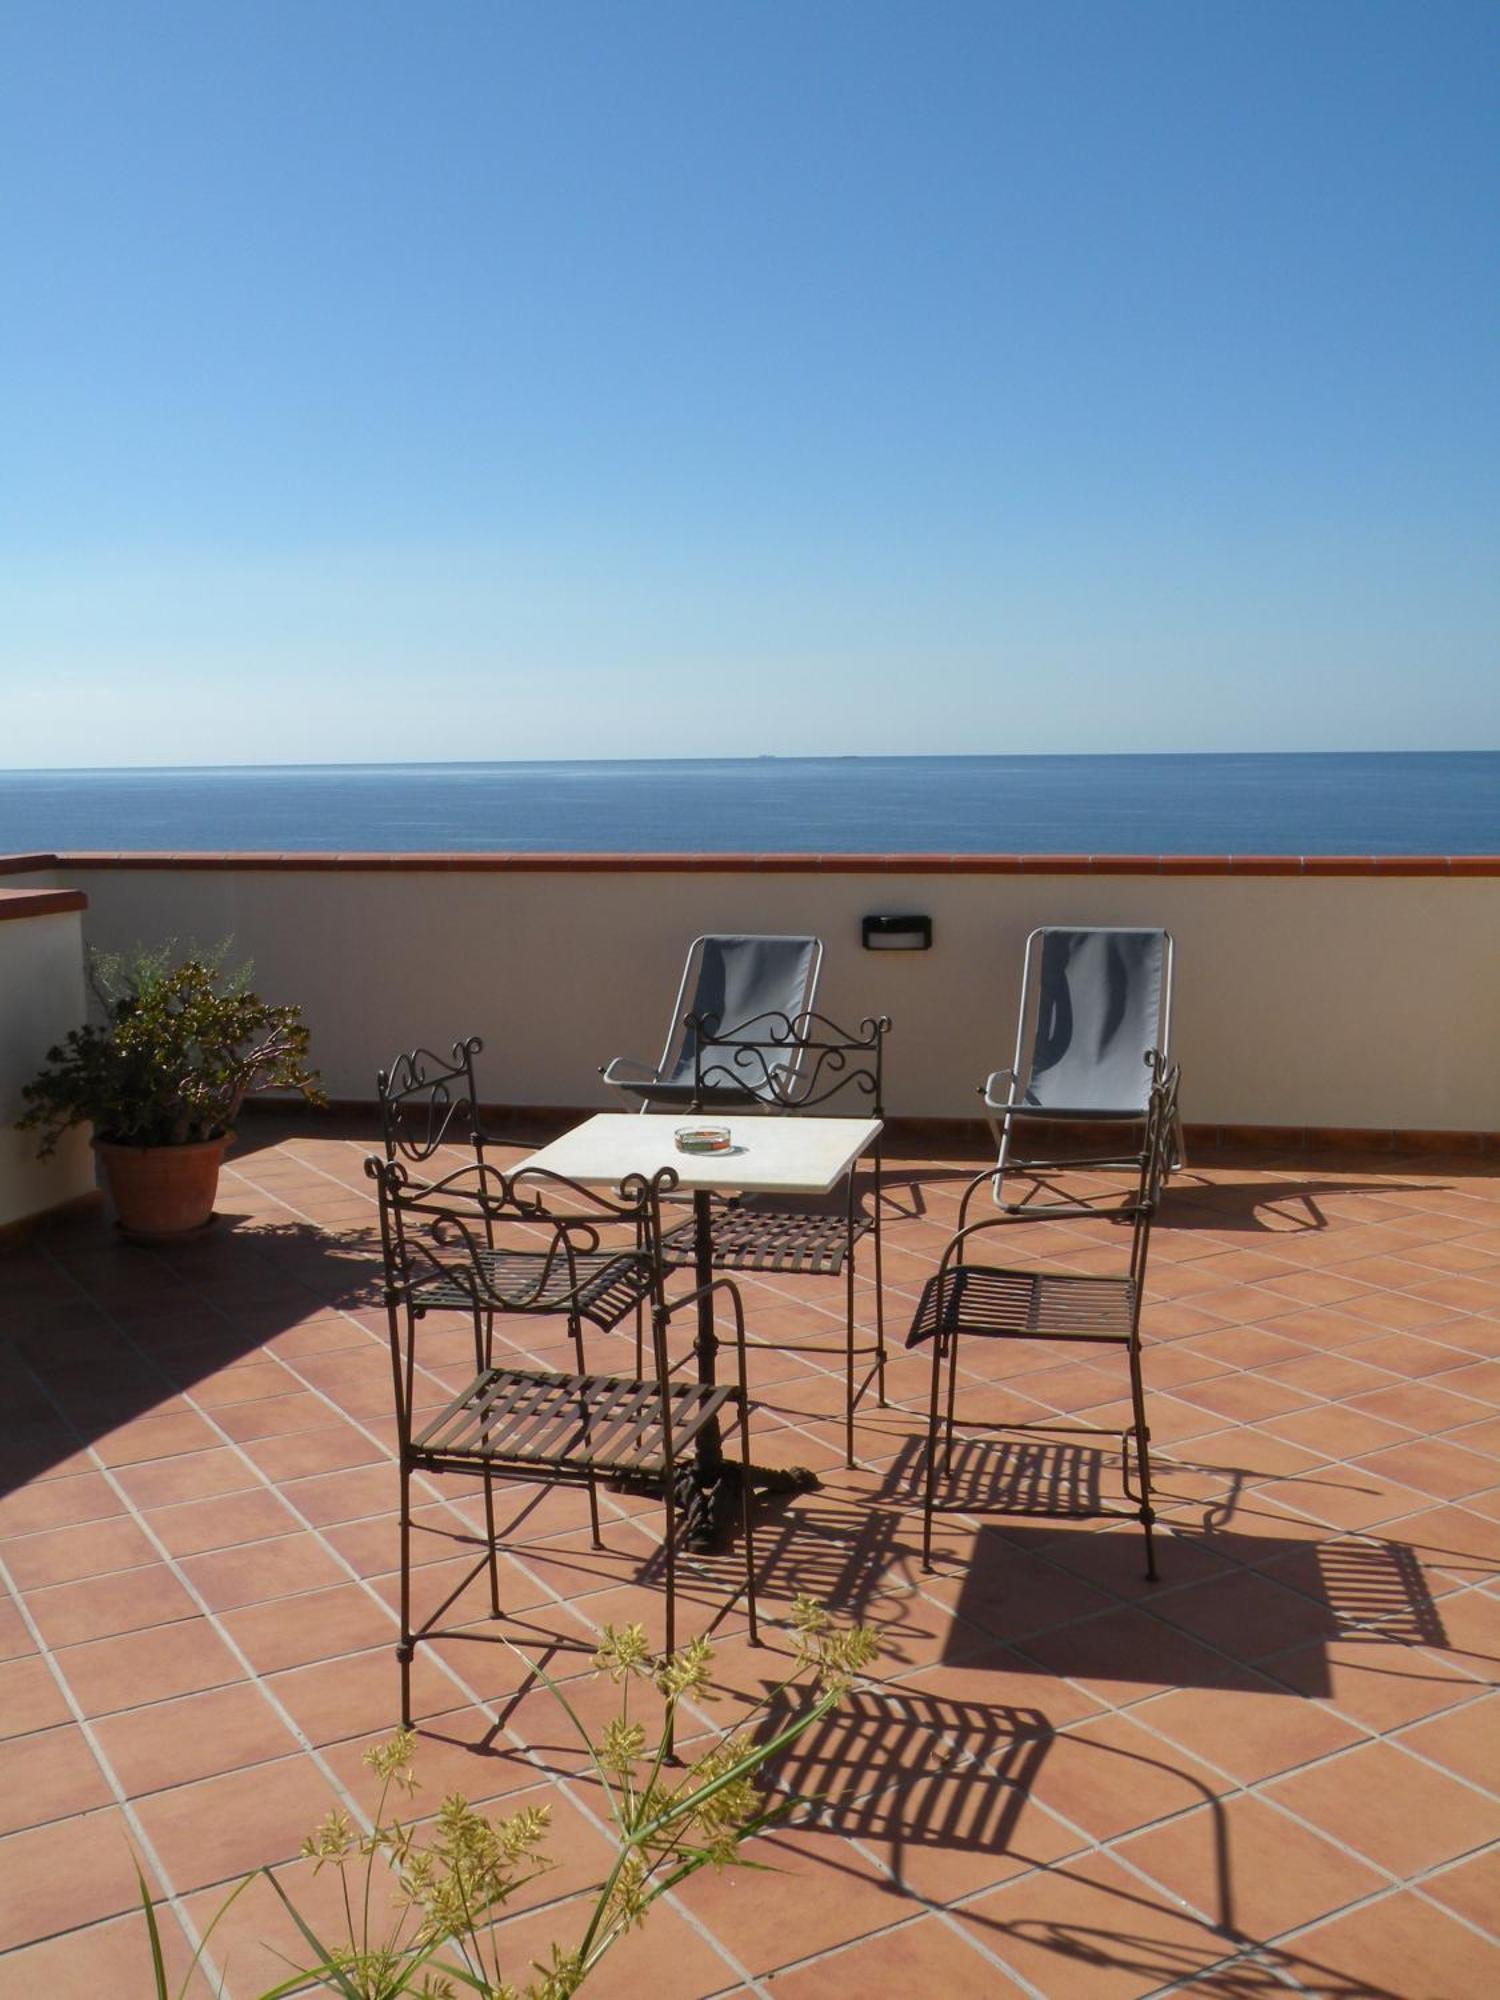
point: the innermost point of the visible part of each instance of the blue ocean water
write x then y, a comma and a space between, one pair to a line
1354, 803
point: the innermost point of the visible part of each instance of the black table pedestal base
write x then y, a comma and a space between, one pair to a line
709, 1510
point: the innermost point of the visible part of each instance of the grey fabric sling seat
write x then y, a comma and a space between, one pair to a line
727, 981
1095, 1006
966, 1300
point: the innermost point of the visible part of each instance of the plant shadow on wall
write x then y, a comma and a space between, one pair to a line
161, 1076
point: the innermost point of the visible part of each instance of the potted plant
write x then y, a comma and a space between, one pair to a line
160, 1079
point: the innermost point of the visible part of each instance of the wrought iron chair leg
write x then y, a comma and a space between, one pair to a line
952, 1392
406, 1646
931, 1466
671, 1555
849, 1360
1143, 1454
747, 1520
489, 1523
594, 1512
879, 1312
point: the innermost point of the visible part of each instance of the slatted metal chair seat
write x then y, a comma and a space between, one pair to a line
750, 1238
1043, 1305
603, 1286
572, 1424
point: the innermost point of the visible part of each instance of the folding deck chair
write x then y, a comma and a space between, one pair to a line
1095, 1006
727, 981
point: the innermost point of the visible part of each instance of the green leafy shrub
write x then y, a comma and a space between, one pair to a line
179, 1048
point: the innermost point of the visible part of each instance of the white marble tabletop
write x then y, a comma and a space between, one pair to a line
770, 1156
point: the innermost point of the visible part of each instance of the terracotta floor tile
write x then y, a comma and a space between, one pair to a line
1432, 1465
153, 1437
821, 1894
196, 1475
1472, 1888
223, 1827
927, 1955
29, 1696
1248, 1868
57, 1503
1248, 1614
70, 1872
1122, 1656
1110, 1776
315, 1625
192, 1736
195, 1526
1395, 1948
108, 1958
259, 1570
1377, 1684
1424, 1407
1249, 1734
48, 1775
99, 1606
1088, 1930
667, 1959
1466, 1741
1403, 1815
60, 1555
1378, 1604
107, 1675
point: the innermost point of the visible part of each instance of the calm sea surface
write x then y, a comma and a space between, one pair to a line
1394, 803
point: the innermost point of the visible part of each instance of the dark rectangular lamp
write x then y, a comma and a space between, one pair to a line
897, 933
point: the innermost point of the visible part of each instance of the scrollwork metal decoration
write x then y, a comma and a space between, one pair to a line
789, 1063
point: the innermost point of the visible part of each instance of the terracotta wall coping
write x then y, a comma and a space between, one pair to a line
786, 864
39, 902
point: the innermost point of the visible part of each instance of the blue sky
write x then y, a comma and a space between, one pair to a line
480, 379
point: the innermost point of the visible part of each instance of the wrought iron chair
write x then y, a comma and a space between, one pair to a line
964, 1299
789, 1065
439, 1241
731, 980
1094, 1004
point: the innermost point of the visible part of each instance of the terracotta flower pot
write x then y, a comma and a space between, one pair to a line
162, 1193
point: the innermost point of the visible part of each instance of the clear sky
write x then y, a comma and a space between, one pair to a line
481, 379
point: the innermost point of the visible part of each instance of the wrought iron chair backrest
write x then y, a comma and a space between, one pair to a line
428, 1101
792, 1063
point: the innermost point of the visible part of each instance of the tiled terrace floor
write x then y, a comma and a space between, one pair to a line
1278, 1769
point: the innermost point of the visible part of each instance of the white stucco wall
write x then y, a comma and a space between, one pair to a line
41, 998
1366, 1001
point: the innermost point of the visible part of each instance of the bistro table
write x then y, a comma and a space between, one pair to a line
766, 1156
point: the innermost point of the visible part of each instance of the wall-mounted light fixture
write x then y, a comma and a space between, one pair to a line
897, 933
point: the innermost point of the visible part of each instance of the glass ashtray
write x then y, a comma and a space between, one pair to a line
702, 1139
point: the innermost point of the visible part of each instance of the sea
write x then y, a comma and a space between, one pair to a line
1394, 802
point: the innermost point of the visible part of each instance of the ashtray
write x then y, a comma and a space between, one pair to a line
703, 1139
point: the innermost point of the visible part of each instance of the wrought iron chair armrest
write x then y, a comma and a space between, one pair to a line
666, 1312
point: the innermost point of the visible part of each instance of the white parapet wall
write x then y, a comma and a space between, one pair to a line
1316, 995
41, 998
